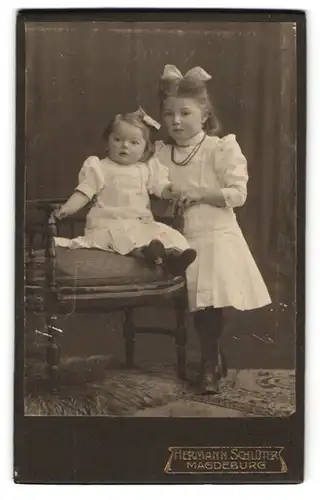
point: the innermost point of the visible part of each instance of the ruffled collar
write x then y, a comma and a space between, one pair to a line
192, 141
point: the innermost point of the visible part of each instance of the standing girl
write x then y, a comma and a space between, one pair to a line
120, 219
210, 176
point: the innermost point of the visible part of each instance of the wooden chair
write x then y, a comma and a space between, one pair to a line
58, 280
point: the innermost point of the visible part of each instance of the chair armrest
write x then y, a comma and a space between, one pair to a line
39, 223
166, 212
46, 204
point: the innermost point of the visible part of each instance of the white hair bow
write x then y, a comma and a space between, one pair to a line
171, 72
147, 119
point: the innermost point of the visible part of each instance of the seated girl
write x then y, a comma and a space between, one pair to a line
120, 219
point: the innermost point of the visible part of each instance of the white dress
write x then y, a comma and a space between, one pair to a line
120, 219
224, 273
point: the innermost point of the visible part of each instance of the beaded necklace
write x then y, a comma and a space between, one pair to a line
190, 155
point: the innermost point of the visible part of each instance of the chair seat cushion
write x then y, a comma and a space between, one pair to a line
91, 267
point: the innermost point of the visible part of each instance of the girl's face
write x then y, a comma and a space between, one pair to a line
126, 144
183, 117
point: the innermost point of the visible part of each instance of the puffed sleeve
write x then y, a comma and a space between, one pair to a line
232, 171
158, 177
91, 179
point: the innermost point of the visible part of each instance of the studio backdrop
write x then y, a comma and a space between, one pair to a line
80, 74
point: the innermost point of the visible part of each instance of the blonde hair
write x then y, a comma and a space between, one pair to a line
134, 120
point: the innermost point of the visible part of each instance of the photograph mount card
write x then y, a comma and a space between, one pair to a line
160, 226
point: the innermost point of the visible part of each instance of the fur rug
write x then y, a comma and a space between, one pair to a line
101, 386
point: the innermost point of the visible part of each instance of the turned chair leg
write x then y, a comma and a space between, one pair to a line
181, 336
52, 355
129, 337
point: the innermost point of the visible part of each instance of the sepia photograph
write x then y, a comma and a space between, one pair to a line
160, 218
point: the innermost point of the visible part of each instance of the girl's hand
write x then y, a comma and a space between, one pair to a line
76, 201
203, 196
189, 200
169, 193
60, 213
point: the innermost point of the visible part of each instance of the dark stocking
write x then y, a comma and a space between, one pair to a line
209, 325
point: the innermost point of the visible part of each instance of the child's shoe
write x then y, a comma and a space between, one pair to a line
176, 262
154, 252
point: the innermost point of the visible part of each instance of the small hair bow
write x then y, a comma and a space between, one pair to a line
147, 119
171, 72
